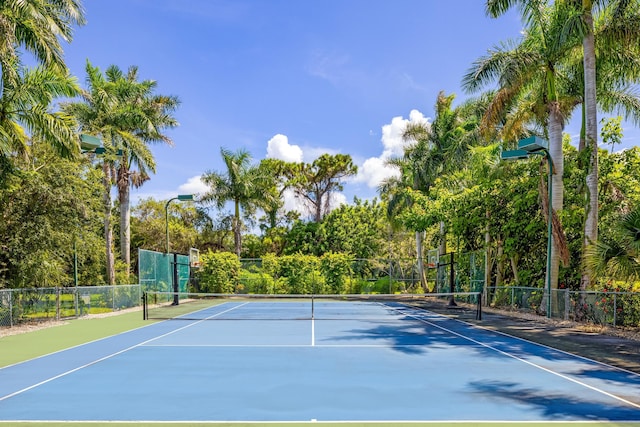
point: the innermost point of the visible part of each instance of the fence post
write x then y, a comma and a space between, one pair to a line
615, 309
11, 308
567, 302
57, 303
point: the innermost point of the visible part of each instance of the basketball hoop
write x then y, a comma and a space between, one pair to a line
194, 258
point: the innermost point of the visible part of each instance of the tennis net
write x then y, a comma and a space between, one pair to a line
200, 306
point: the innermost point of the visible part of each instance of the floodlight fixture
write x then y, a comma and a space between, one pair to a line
533, 144
514, 155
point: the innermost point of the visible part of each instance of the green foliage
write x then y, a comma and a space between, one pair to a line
611, 131
148, 225
315, 182
337, 273
300, 273
304, 237
48, 206
219, 272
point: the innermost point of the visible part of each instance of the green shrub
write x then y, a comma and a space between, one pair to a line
336, 271
301, 273
219, 272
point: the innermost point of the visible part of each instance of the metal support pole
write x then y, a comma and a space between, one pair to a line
452, 286
176, 288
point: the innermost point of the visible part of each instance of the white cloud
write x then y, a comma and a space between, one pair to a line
278, 147
392, 133
374, 170
194, 185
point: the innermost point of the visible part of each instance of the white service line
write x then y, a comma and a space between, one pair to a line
15, 393
573, 380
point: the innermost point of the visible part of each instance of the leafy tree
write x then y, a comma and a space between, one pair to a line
314, 183
51, 205
186, 223
608, 31
530, 77
275, 173
359, 229
305, 238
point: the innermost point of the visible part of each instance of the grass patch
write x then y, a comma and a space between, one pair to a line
74, 332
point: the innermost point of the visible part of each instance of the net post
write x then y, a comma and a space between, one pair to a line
312, 306
176, 284
479, 308
145, 314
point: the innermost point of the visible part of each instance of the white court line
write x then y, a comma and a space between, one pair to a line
566, 377
15, 393
286, 345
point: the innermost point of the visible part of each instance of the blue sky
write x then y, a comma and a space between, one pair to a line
290, 78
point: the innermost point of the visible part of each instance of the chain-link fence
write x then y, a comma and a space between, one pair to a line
598, 307
381, 276
156, 270
360, 275
41, 304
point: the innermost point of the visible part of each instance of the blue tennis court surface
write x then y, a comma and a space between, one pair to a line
382, 362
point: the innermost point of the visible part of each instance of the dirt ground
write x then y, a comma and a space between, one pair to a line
615, 347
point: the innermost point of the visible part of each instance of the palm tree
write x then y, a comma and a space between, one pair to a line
615, 29
144, 116
38, 26
98, 114
618, 257
410, 178
530, 74
241, 184
25, 111
436, 148
128, 116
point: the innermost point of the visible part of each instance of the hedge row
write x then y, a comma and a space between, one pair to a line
331, 273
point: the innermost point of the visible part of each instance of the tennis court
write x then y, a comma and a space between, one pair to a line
320, 360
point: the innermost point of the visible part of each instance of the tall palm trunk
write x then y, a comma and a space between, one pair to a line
237, 236
591, 133
555, 127
108, 232
124, 196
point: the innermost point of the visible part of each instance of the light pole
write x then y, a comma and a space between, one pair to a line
182, 198
540, 147
89, 144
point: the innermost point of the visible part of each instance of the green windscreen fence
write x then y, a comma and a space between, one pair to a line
155, 271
